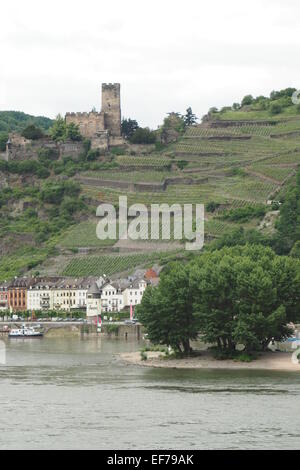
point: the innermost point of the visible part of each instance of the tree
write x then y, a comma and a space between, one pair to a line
72, 132
128, 127
288, 224
3, 140
275, 108
245, 295
143, 136
58, 130
247, 100
190, 119
167, 312
32, 132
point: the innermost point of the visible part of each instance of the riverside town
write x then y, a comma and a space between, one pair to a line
150, 229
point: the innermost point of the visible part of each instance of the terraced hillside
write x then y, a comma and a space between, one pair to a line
235, 164
231, 163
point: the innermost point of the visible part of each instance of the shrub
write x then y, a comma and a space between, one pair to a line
212, 206
46, 155
181, 164
243, 214
32, 132
275, 108
117, 151
92, 155
144, 356
143, 136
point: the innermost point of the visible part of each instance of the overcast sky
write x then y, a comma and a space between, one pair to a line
167, 54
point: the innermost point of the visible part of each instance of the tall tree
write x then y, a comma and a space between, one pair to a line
245, 295
190, 118
128, 127
167, 312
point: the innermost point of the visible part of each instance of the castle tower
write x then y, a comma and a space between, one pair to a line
111, 107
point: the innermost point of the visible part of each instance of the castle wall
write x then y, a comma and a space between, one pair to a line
89, 123
27, 149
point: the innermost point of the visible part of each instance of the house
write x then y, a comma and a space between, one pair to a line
40, 296
71, 294
112, 299
134, 292
17, 293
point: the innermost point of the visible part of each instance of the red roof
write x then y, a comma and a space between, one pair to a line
150, 274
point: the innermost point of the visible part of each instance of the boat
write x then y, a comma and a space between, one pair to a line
25, 332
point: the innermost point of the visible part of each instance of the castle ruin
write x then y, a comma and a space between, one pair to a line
102, 128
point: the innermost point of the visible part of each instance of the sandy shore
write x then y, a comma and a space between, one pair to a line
267, 361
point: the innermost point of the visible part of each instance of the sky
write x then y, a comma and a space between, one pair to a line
167, 54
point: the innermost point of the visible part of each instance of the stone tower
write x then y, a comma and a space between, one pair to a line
111, 107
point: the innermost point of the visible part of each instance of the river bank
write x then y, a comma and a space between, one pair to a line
280, 361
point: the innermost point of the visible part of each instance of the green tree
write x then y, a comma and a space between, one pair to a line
245, 295
288, 224
3, 140
32, 132
190, 119
58, 129
247, 100
166, 310
128, 127
72, 132
143, 136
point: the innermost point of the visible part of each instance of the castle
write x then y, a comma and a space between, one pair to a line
103, 128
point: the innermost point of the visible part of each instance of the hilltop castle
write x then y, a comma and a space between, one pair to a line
102, 128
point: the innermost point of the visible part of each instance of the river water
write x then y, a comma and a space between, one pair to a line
72, 393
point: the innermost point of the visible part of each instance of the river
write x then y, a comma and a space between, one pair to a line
73, 393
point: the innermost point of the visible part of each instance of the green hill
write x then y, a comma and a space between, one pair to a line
16, 121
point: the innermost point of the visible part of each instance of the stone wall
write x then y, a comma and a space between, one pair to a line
89, 123
28, 150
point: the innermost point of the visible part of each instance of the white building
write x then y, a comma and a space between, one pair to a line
112, 299
133, 294
40, 296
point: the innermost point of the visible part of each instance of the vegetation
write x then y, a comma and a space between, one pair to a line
272, 105
128, 127
288, 224
61, 131
111, 264
143, 136
241, 295
167, 310
3, 140
243, 214
16, 121
32, 132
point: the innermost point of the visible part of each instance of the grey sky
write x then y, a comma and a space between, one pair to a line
167, 54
